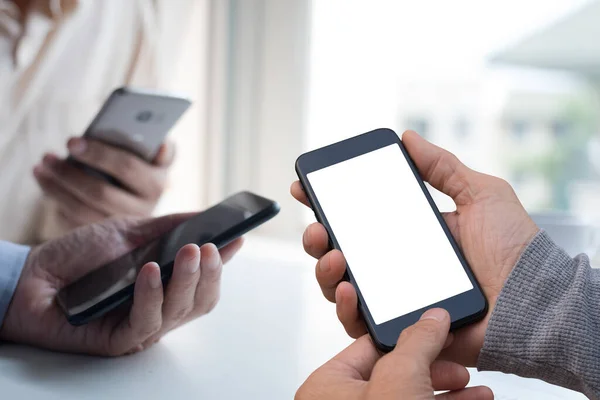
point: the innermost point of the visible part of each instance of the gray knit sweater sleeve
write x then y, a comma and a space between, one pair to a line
546, 322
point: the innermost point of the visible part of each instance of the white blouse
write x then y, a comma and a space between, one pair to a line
57, 65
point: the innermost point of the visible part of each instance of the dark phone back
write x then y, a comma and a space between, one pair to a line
111, 285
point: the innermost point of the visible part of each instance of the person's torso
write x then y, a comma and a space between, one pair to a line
54, 77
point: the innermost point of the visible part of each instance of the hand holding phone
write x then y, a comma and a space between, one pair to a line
489, 223
34, 316
135, 121
112, 285
401, 257
411, 371
119, 167
77, 198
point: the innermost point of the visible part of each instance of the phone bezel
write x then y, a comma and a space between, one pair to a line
125, 295
464, 308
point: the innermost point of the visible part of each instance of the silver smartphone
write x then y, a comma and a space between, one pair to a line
136, 120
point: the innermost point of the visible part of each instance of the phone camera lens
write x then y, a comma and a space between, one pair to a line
144, 116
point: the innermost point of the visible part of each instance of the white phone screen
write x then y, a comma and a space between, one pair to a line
393, 242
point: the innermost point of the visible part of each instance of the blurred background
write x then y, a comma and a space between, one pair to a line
511, 87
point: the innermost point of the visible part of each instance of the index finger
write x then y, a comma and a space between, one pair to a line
145, 316
298, 192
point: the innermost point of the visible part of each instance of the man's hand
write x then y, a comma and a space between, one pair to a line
34, 317
408, 372
82, 199
490, 225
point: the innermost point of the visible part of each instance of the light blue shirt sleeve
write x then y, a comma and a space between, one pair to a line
12, 260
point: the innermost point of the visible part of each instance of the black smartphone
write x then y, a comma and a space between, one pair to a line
135, 120
112, 285
401, 257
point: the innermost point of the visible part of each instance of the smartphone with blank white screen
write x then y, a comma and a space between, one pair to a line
134, 120
401, 257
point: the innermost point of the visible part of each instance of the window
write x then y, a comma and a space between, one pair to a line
419, 125
517, 178
513, 81
461, 128
519, 129
560, 129
253, 94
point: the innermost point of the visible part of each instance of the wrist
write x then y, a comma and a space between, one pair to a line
541, 280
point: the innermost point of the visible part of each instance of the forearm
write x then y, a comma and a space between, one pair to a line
546, 322
12, 259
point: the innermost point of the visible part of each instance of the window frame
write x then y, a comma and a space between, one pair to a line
257, 101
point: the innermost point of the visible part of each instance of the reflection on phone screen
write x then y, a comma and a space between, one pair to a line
121, 273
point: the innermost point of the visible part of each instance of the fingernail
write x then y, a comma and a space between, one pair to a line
77, 146
214, 260
155, 277
435, 313
163, 155
324, 264
193, 263
305, 237
38, 170
50, 159
449, 340
338, 296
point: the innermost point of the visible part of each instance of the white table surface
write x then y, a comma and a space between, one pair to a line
271, 329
